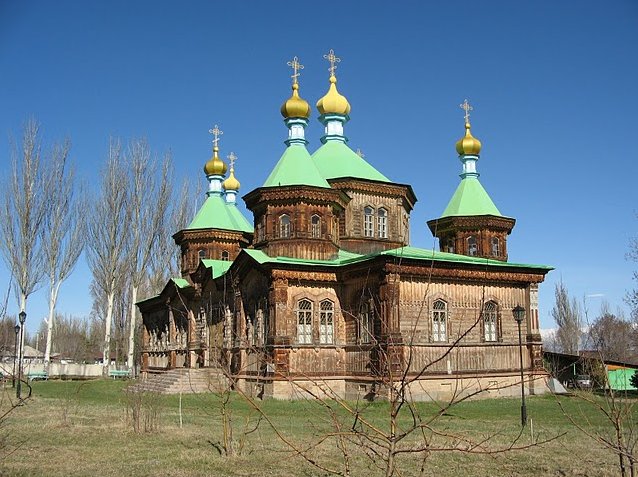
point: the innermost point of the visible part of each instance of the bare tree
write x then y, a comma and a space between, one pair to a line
64, 230
632, 295
612, 336
566, 314
149, 193
107, 227
24, 208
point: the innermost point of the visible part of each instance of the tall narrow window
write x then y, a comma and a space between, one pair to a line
368, 222
490, 321
315, 226
366, 324
326, 322
201, 254
225, 255
382, 223
439, 321
472, 246
304, 322
260, 232
284, 226
496, 247
449, 247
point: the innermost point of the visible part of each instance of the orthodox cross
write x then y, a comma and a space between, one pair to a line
467, 108
333, 61
232, 158
296, 67
360, 153
216, 132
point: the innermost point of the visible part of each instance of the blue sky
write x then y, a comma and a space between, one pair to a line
552, 85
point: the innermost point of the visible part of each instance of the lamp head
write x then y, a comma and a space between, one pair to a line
17, 328
22, 317
519, 313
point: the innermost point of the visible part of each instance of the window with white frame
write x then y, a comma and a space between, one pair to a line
496, 247
472, 246
439, 321
368, 222
284, 226
326, 322
382, 223
449, 245
201, 254
366, 324
315, 226
225, 255
304, 321
490, 321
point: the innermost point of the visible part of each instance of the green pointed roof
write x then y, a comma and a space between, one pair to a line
335, 159
295, 168
215, 213
470, 198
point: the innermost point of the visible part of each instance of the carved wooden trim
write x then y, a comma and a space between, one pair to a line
467, 275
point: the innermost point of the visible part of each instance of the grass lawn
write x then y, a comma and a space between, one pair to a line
85, 429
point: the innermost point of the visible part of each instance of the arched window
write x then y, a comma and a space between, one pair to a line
260, 232
439, 321
304, 321
490, 321
382, 223
284, 226
326, 322
225, 255
449, 245
472, 247
315, 226
201, 254
366, 324
496, 246
368, 222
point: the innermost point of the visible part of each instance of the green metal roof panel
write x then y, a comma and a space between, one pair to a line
335, 159
470, 198
215, 213
218, 267
426, 254
295, 168
180, 282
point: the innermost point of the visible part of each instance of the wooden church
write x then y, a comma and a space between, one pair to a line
322, 290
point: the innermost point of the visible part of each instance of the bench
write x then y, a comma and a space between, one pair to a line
120, 373
34, 375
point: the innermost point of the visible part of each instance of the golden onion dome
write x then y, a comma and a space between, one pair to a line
333, 102
468, 144
215, 166
231, 183
295, 106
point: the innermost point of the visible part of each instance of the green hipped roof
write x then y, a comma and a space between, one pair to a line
470, 198
295, 168
335, 159
414, 253
180, 282
219, 267
215, 213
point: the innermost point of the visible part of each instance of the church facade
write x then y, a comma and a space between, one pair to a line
323, 291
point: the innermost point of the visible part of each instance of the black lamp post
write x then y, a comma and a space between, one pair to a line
519, 316
15, 355
22, 317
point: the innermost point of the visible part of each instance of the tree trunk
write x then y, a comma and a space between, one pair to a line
106, 355
131, 337
53, 298
23, 307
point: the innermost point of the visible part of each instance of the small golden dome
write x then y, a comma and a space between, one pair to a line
215, 166
295, 106
468, 144
333, 102
231, 183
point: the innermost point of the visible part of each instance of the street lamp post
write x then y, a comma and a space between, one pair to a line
15, 355
22, 317
519, 316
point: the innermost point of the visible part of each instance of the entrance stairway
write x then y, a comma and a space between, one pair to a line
185, 380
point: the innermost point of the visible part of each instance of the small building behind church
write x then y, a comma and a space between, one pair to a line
321, 288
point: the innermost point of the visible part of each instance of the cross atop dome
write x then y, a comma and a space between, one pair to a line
333, 61
216, 132
296, 67
465, 106
231, 159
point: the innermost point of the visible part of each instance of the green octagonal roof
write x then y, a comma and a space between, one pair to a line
335, 159
470, 198
215, 213
295, 168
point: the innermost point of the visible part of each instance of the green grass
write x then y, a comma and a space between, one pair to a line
84, 428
